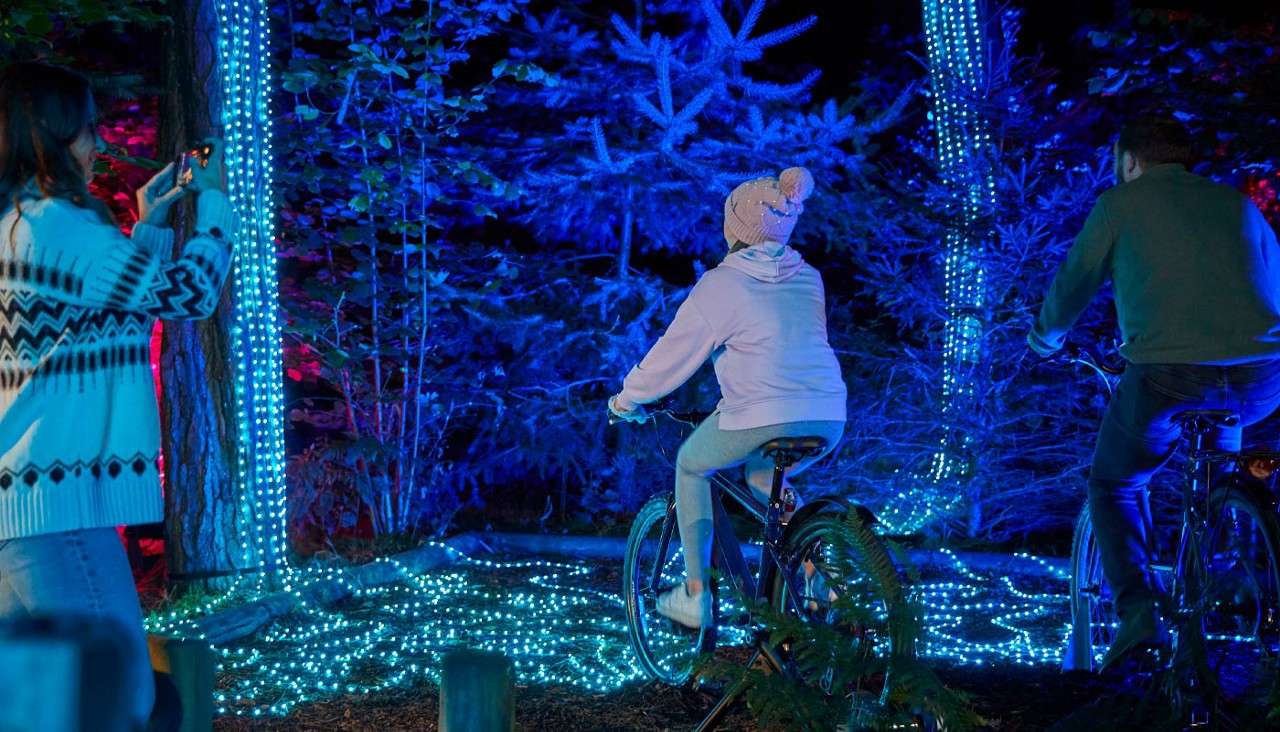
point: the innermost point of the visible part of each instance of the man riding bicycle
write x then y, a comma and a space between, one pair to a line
1196, 274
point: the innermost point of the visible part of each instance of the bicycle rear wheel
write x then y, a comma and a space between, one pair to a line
1093, 613
852, 594
1241, 600
654, 563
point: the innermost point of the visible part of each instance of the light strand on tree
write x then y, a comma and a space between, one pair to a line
244, 66
957, 46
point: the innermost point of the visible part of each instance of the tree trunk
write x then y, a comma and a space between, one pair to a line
205, 536
956, 38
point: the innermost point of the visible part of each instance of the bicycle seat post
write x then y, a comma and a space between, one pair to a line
785, 452
773, 516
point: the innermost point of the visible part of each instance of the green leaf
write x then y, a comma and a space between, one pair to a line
360, 203
384, 141
306, 113
39, 25
297, 82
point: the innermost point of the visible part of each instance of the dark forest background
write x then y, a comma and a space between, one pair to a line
490, 209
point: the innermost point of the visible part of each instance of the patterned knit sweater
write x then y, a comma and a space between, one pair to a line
79, 428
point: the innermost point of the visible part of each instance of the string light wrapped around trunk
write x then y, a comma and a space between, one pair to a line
244, 66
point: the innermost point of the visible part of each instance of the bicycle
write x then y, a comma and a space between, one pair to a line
1219, 582
793, 572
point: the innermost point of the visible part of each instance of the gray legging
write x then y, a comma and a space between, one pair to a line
710, 449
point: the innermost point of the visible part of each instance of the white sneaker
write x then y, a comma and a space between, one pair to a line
816, 589
691, 611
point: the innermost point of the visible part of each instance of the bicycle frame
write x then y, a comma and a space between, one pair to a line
726, 552
1198, 482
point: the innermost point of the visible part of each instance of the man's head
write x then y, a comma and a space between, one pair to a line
1145, 142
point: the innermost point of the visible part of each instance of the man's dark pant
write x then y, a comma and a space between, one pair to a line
1139, 434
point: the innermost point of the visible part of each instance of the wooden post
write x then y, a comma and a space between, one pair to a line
477, 693
189, 663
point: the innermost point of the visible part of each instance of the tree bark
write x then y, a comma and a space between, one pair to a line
205, 535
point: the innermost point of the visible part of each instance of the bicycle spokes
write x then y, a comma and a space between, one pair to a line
1241, 595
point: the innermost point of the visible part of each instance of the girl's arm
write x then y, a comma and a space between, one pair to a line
687, 343
134, 276
156, 239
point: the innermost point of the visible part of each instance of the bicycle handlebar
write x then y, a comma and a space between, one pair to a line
689, 418
1072, 353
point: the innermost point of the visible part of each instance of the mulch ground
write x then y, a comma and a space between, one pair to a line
1010, 699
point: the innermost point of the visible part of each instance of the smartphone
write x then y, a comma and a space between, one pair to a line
182, 166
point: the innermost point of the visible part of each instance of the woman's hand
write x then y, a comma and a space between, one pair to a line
630, 415
155, 198
212, 176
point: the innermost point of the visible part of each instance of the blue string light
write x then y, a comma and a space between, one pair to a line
244, 61
957, 48
558, 629
554, 624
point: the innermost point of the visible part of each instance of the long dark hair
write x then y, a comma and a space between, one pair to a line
43, 109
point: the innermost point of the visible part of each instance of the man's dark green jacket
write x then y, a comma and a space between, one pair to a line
1195, 267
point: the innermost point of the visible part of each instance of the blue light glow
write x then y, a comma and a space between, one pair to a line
559, 627
244, 61
957, 47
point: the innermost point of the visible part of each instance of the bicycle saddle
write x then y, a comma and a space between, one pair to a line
1200, 420
795, 448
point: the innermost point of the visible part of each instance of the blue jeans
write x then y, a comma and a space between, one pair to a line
1139, 435
80, 573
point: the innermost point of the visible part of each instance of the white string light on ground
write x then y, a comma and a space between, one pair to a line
563, 624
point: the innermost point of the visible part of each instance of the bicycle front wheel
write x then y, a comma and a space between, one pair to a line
654, 563
1093, 613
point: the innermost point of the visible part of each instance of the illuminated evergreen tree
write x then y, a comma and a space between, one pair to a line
646, 132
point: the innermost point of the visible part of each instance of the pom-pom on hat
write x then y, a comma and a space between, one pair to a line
766, 209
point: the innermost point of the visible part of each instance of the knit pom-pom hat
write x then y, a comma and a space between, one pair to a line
766, 209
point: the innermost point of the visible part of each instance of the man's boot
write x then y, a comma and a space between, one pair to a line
1140, 629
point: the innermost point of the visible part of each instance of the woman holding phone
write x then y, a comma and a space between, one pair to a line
79, 428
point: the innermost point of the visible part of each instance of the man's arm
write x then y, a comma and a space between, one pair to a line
1086, 267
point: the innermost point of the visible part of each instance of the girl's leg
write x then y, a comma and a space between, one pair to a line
10, 606
701, 455
82, 573
710, 449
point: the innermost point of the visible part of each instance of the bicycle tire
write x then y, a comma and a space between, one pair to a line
667, 661
1242, 592
805, 538
1093, 615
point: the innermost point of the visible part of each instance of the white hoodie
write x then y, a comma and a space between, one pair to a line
761, 318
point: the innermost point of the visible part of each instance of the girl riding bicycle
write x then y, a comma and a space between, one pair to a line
760, 316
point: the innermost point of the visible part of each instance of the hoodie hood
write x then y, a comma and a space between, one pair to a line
767, 262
